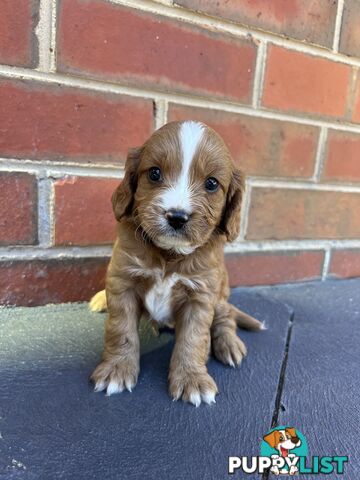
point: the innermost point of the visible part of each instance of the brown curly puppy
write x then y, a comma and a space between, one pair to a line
178, 204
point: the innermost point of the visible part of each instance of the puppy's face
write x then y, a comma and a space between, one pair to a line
283, 440
184, 187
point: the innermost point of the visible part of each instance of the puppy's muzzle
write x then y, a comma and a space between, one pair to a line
176, 218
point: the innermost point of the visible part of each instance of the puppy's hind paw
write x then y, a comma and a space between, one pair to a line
98, 302
229, 349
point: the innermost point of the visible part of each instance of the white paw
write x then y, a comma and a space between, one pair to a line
193, 388
275, 470
293, 469
113, 387
115, 378
195, 398
207, 397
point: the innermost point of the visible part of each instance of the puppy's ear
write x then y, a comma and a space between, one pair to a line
270, 438
230, 223
123, 197
291, 431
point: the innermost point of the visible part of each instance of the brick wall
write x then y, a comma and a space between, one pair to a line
81, 81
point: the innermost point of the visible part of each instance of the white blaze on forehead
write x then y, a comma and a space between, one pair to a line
178, 195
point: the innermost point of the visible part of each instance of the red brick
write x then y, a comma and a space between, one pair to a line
38, 282
350, 32
270, 268
18, 44
18, 209
313, 21
83, 211
342, 161
303, 214
259, 146
42, 121
137, 48
345, 263
298, 82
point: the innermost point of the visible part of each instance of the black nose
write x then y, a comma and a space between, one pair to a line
176, 218
295, 440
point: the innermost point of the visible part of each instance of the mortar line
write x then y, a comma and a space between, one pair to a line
259, 74
320, 154
45, 214
227, 26
18, 253
179, 98
59, 170
267, 247
338, 24
302, 185
161, 110
53, 43
45, 32
326, 264
245, 208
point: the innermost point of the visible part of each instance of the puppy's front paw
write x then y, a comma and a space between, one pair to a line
275, 470
229, 349
193, 387
293, 470
114, 377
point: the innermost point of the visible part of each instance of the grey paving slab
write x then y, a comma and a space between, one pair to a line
321, 391
53, 426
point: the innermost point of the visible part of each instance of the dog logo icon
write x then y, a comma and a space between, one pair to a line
284, 445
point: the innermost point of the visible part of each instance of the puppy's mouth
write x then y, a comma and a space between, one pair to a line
176, 242
284, 451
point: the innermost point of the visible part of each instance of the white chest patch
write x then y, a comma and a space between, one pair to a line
158, 298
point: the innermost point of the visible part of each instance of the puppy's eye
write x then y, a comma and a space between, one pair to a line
281, 439
154, 174
211, 184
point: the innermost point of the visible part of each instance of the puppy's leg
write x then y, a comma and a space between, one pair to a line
188, 377
227, 346
121, 357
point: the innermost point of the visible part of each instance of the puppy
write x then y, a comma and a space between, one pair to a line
283, 441
177, 205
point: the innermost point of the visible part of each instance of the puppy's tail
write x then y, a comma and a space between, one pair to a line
243, 320
98, 302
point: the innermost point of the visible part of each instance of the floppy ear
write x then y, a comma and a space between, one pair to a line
231, 216
270, 438
291, 431
123, 197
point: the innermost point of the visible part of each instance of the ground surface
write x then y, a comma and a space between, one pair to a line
303, 372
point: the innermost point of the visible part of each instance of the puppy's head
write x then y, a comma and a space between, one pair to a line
283, 440
181, 187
